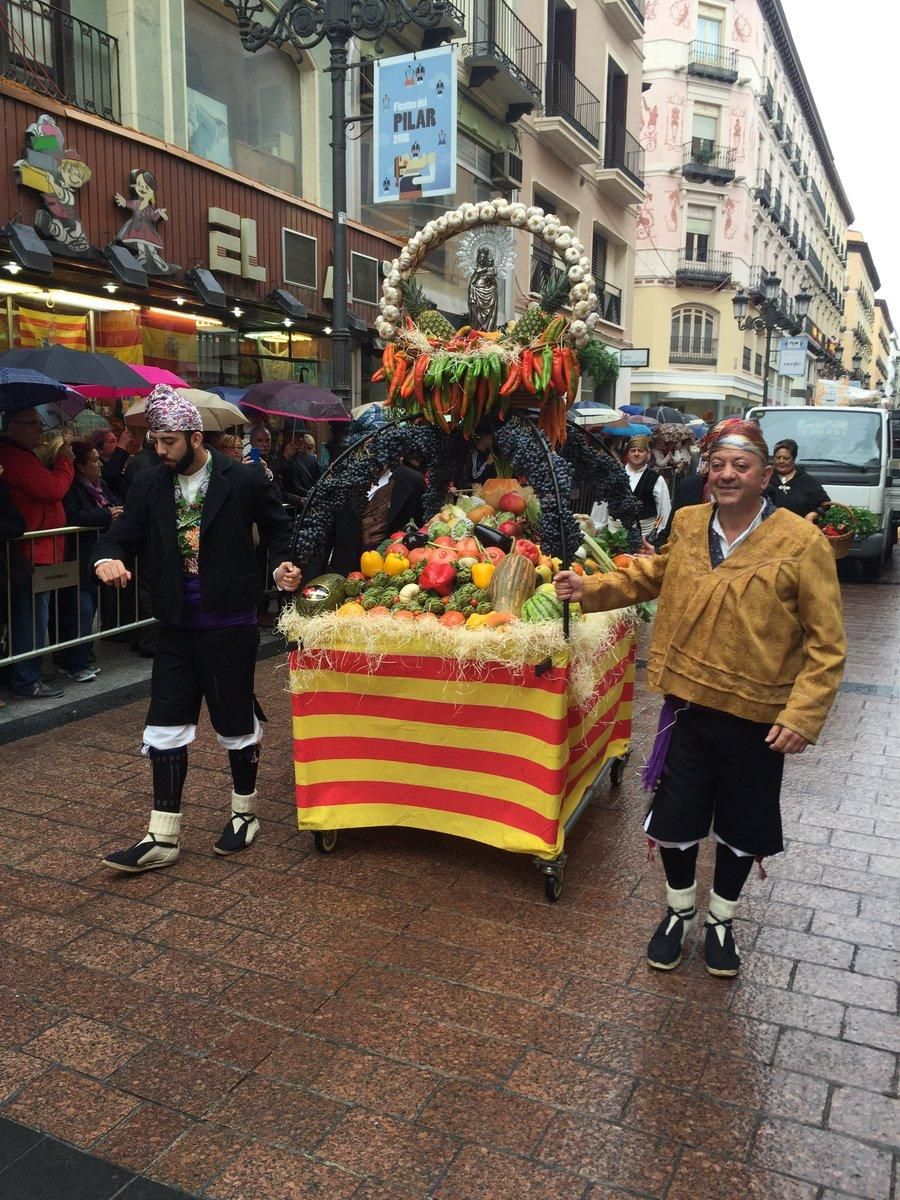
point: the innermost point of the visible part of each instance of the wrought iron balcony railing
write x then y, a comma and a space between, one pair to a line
567, 97
703, 159
818, 199
609, 302
767, 99
776, 204
764, 189
623, 151
496, 33
639, 7
60, 56
778, 121
702, 351
713, 61
707, 266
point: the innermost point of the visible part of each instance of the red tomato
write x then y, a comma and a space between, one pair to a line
443, 555
467, 547
444, 540
421, 554
495, 554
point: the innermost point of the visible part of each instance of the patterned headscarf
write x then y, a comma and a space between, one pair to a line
737, 435
168, 412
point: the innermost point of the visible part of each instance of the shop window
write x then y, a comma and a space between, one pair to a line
364, 274
693, 330
243, 109
299, 256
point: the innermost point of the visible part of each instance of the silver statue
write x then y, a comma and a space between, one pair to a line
483, 292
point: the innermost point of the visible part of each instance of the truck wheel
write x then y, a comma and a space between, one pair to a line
871, 567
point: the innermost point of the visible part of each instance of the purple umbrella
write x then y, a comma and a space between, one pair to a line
295, 401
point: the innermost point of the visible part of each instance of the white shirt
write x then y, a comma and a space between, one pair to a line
190, 484
661, 497
723, 540
380, 484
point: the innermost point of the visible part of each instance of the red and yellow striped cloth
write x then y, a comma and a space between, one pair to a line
500, 755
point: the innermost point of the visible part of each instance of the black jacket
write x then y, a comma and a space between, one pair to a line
12, 523
805, 494
145, 459
238, 497
296, 476
82, 509
113, 473
687, 491
344, 547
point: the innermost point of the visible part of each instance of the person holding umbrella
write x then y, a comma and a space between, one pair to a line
193, 515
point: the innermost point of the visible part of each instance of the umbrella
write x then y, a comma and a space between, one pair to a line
633, 410
234, 395
217, 414
23, 388
586, 412
627, 430
150, 375
666, 415
374, 407
88, 420
295, 401
64, 408
76, 366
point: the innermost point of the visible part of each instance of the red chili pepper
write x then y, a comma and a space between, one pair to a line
527, 375
438, 577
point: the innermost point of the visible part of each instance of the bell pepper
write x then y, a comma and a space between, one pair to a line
371, 563
476, 620
438, 577
481, 574
396, 564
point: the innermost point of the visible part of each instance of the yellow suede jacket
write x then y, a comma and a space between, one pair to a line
761, 636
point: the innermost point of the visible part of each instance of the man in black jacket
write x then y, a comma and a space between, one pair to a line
193, 516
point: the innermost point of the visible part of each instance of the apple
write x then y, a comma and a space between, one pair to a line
512, 502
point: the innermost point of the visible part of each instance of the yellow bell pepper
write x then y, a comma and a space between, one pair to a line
476, 621
395, 564
371, 563
481, 573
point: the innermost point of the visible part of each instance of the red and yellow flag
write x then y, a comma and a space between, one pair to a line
119, 334
37, 329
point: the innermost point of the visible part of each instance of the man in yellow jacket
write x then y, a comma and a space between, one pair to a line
748, 647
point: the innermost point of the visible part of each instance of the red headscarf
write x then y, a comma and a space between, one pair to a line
737, 434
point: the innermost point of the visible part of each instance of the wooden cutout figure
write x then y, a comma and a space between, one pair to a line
56, 173
140, 233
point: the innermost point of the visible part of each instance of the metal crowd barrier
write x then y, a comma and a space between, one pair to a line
117, 611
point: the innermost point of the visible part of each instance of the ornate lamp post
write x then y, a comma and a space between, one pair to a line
303, 24
770, 318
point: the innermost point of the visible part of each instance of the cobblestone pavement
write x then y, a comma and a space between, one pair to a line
409, 1018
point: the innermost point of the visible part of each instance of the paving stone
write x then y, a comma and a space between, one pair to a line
872, 1116
826, 1158
835, 1060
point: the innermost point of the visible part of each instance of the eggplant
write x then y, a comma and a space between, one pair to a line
492, 537
413, 538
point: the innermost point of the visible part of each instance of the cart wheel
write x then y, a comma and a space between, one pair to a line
617, 772
326, 841
553, 886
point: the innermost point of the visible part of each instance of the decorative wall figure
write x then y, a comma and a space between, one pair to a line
651, 11
56, 173
674, 122
742, 28
140, 233
649, 120
730, 206
645, 220
738, 127
672, 217
680, 12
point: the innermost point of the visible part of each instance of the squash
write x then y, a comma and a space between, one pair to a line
493, 489
480, 512
322, 594
512, 583
542, 607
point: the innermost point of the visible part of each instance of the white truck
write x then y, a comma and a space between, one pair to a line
854, 452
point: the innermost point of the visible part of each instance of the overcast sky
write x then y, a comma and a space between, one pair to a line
851, 56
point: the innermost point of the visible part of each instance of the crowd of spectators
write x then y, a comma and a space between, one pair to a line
85, 483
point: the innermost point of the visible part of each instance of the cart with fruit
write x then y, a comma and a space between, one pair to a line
443, 685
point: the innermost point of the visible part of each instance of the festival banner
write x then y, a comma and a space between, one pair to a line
414, 134
37, 329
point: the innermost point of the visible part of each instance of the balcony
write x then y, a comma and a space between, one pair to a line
571, 122
627, 16
818, 200
621, 173
763, 191
776, 205
609, 302
794, 235
503, 57
784, 223
704, 266
778, 122
709, 60
788, 143
53, 53
767, 100
706, 162
798, 166
697, 351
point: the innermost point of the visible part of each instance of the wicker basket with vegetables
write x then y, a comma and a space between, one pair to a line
841, 523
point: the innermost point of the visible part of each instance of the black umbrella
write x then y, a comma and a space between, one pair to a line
295, 401
667, 415
21, 389
77, 367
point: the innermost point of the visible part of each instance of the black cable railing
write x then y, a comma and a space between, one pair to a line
59, 55
694, 349
567, 97
622, 151
703, 156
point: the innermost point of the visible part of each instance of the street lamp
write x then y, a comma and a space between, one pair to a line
303, 24
770, 318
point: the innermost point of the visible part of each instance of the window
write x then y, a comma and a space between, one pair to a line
757, 364
299, 255
748, 358
693, 332
709, 25
697, 238
704, 131
243, 109
364, 278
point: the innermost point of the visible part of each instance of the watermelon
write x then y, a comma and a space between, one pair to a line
323, 594
541, 607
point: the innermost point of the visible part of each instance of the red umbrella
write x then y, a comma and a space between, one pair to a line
151, 375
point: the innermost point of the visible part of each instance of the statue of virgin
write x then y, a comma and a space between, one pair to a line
483, 292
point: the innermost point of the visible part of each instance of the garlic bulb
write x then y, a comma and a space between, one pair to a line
563, 240
535, 224
575, 274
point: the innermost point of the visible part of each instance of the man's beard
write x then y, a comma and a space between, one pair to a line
184, 462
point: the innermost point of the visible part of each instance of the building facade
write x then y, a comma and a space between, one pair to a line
741, 186
882, 351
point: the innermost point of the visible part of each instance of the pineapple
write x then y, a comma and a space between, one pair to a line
424, 313
553, 295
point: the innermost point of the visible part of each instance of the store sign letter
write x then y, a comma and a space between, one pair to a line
232, 245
